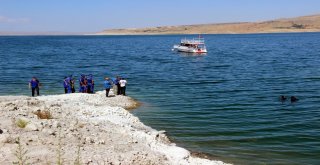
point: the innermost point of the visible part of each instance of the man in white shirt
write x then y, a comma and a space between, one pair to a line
123, 84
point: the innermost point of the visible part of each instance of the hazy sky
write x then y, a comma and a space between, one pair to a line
96, 15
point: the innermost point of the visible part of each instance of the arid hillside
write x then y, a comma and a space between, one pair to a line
299, 24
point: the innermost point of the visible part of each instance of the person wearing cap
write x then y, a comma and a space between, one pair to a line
107, 85
123, 84
34, 84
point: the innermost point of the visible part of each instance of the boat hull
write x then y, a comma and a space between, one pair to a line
188, 49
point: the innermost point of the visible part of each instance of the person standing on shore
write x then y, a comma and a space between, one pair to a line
34, 84
83, 84
72, 81
116, 82
123, 84
107, 85
66, 85
90, 81
114, 86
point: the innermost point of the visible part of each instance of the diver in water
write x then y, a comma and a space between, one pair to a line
283, 98
293, 99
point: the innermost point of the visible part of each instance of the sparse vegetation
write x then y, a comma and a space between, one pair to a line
43, 114
78, 158
47, 162
298, 26
21, 155
22, 123
59, 150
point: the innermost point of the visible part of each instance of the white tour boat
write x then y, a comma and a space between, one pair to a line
195, 45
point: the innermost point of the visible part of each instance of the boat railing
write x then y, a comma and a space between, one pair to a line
193, 41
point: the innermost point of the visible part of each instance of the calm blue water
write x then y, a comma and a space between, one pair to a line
224, 103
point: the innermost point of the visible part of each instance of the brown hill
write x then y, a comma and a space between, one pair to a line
299, 24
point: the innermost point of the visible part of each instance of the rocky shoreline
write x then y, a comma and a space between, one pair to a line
82, 129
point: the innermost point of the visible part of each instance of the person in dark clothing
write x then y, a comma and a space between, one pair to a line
34, 84
283, 98
107, 85
65, 84
83, 84
116, 82
90, 83
72, 81
293, 99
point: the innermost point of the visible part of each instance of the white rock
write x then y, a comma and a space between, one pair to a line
48, 131
56, 124
33, 138
102, 142
31, 127
89, 140
119, 138
4, 138
4, 131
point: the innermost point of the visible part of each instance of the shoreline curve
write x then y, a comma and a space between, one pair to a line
89, 128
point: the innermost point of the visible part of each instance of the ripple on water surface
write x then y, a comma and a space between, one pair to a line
224, 103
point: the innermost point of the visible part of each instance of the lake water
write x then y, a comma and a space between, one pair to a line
224, 103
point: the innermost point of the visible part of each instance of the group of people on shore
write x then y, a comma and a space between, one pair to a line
86, 85
118, 84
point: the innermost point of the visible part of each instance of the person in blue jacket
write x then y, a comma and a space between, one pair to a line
34, 84
90, 84
67, 85
107, 85
83, 84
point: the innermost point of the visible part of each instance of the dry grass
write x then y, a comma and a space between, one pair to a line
60, 153
78, 158
43, 114
22, 158
21, 155
299, 24
22, 123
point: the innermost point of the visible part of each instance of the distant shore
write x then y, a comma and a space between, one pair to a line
85, 128
290, 25
302, 24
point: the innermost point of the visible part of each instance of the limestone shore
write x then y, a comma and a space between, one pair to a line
83, 129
